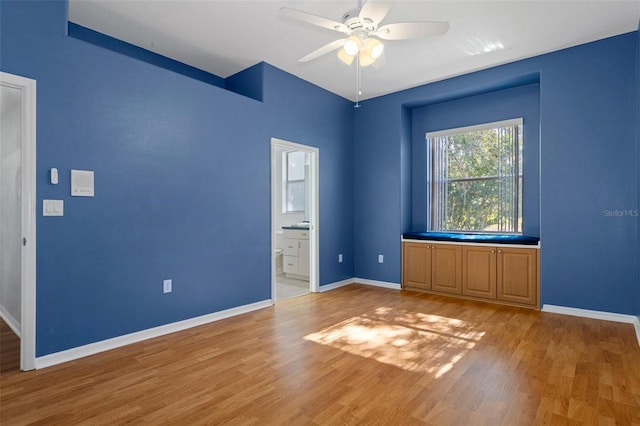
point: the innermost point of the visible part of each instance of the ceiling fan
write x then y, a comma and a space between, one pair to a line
363, 32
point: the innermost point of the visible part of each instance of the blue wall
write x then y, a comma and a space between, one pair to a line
182, 172
638, 144
588, 164
522, 101
102, 40
298, 111
248, 82
182, 176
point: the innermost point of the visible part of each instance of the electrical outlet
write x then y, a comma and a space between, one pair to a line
380, 258
340, 258
166, 286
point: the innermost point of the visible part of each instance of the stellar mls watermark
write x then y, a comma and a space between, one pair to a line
621, 213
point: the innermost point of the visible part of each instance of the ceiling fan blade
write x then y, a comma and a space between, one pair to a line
405, 30
376, 11
312, 19
323, 50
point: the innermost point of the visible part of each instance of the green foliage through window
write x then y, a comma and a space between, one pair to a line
476, 178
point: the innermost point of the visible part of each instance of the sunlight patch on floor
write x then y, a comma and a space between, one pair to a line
413, 341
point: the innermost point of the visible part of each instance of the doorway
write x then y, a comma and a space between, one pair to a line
294, 219
17, 210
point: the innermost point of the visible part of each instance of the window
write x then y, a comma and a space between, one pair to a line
293, 178
476, 178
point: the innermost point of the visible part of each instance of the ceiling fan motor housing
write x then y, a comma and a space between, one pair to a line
352, 21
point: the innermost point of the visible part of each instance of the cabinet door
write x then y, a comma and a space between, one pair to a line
303, 257
296, 234
290, 247
290, 264
518, 276
479, 271
417, 265
446, 268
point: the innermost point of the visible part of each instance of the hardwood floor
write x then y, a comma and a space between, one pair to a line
355, 355
9, 350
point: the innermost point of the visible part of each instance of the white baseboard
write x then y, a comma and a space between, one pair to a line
335, 285
127, 339
364, 281
383, 284
13, 323
600, 315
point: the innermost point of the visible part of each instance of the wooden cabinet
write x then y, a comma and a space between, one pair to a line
446, 268
479, 271
432, 266
502, 274
417, 265
518, 276
295, 260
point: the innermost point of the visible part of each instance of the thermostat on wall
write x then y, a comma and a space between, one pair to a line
82, 183
53, 176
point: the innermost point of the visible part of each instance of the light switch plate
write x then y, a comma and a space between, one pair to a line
52, 207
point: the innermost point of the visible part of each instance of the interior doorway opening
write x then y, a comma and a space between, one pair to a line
17, 211
294, 219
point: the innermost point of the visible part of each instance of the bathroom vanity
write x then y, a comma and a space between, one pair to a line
295, 262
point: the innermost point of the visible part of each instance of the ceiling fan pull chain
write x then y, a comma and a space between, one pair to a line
358, 90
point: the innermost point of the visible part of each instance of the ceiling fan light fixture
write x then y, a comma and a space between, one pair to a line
374, 47
352, 45
345, 57
377, 51
365, 59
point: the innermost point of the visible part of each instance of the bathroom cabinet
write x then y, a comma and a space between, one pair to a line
295, 261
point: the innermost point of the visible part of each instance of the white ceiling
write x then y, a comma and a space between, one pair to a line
224, 37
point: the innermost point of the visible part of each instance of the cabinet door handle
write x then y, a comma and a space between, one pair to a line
493, 251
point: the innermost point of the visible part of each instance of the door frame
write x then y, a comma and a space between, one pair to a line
28, 262
314, 217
